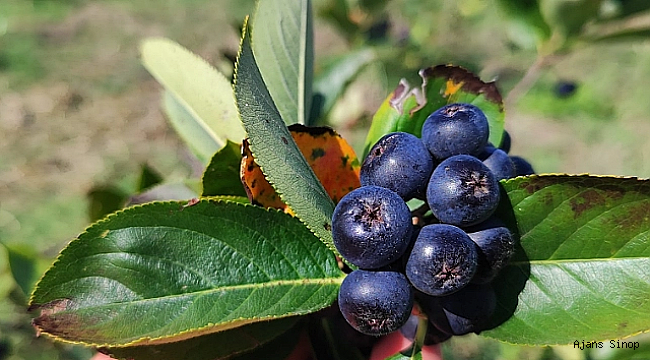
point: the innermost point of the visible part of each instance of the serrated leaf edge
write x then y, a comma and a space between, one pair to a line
329, 244
163, 339
173, 93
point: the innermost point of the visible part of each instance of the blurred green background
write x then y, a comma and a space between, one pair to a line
79, 113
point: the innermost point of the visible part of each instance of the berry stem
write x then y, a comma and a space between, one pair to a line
421, 333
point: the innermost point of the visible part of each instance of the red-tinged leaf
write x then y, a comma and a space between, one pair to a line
258, 189
330, 156
406, 108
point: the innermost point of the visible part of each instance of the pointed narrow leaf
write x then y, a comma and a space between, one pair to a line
275, 150
407, 108
330, 85
222, 177
149, 177
221, 345
202, 141
197, 87
582, 269
283, 43
26, 265
183, 270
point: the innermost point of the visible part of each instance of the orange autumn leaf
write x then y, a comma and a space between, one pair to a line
331, 158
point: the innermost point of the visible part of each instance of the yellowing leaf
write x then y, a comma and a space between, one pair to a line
331, 158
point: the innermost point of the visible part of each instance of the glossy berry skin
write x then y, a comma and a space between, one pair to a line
462, 191
496, 245
462, 312
500, 164
443, 260
400, 162
371, 227
522, 167
455, 129
375, 302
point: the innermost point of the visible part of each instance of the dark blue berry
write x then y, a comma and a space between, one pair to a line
371, 227
500, 164
522, 167
462, 191
400, 162
506, 142
375, 302
564, 89
443, 260
495, 247
455, 129
467, 310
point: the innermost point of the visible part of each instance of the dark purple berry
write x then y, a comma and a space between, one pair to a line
371, 227
462, 191
522, 167
500, 164
495, 247
443, 260
506, 142
467, 310
375, 302
564, 89
455, 129
400, 162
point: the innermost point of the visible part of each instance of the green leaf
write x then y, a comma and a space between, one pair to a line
103, 200
202, 142
7, 282
25, 265
163, 192
407, 108
283, 43
221, 345
582, 269
525, 14
195, 92
337, 12
332, 83
148, 178
222, 177
569, 16
628, 7
275, 150
183, 270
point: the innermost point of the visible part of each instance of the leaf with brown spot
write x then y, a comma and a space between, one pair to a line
331, 158
163, 272
583, 263
258, 189
407, 107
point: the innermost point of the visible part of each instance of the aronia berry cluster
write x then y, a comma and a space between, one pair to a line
444, 259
